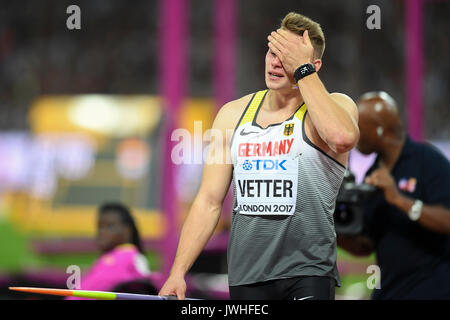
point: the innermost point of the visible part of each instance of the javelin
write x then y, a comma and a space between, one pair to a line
101, 295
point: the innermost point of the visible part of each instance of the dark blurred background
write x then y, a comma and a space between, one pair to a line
116, 51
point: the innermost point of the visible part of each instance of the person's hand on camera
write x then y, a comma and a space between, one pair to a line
381, 178
174, 286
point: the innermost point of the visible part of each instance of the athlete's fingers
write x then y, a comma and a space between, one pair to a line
276, 43
281, 35
180, 294
276, 51
290, 37
280, 39
165, 292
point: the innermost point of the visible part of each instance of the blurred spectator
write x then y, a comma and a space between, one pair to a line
407, 223
122, 260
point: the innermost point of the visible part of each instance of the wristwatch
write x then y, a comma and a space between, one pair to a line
303, 71
415, 211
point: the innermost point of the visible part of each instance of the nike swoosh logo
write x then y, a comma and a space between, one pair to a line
246, 133
304, 298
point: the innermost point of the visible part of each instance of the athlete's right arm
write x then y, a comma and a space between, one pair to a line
206, 208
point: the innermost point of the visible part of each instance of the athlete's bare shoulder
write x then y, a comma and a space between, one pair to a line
230, 113
345, 102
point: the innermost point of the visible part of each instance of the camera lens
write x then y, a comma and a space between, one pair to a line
344, 214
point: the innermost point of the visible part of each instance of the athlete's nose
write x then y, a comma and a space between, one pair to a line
276, 62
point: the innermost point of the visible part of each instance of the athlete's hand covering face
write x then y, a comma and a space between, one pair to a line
292, 49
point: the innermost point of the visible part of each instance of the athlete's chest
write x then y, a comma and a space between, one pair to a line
253, 142
266, 163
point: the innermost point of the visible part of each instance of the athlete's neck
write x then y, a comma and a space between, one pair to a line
283, 99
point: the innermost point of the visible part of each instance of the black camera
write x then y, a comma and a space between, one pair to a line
349, 211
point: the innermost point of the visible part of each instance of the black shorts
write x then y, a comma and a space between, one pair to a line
298, 288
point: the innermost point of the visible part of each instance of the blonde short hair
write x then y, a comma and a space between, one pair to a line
298, 23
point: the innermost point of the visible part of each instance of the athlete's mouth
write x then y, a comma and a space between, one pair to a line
278, 75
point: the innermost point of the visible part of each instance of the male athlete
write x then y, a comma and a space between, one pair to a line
287, 158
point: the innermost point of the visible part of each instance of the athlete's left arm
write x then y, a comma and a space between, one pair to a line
334, 116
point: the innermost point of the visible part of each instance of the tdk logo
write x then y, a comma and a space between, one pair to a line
247, 165
264, 165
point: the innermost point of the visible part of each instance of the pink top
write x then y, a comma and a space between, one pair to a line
122, 264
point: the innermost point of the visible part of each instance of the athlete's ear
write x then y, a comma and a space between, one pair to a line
317, 64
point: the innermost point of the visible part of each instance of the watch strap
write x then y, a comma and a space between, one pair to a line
303, 71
